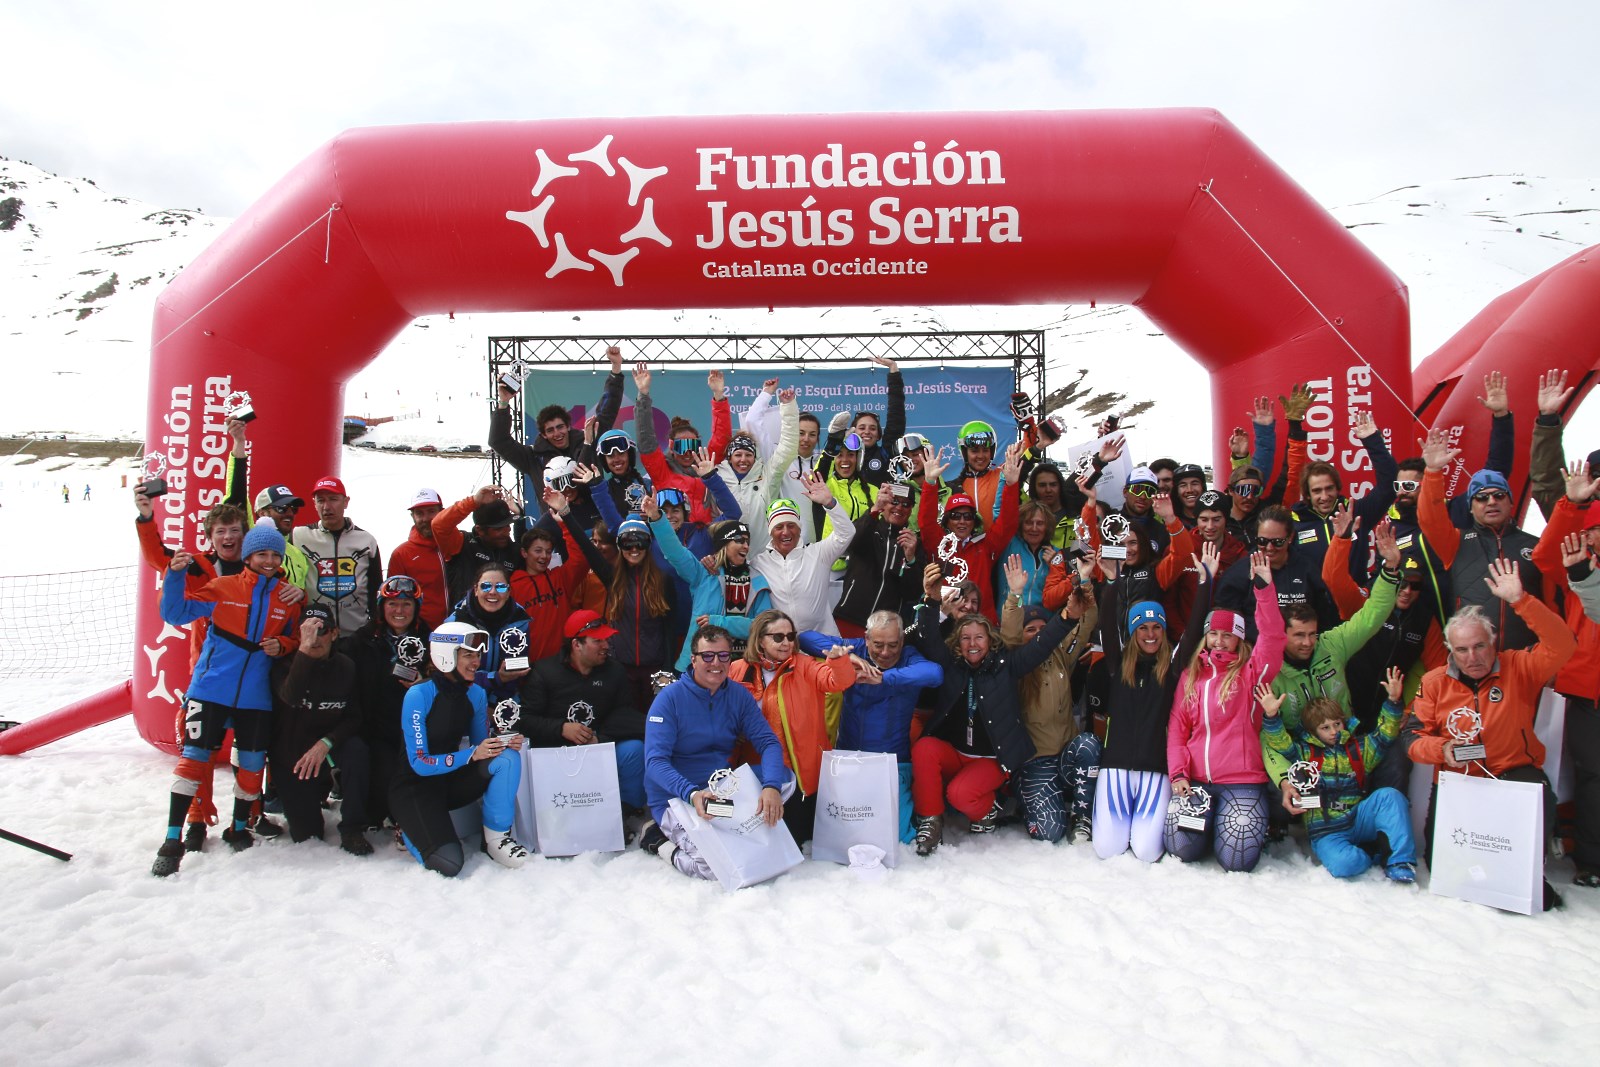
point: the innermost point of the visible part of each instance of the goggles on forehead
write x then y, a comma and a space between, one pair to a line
400, 586
911, 442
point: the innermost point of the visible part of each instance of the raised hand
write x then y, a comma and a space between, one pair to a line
1087, 564
591, 429
1238, 443
1297, 403
1206, 561
1011, 471
932, 579
1162, 505
770, 386
1394, 684
1494, 393
614, 355
585, 474
886, 362
1553, 392
702, 462
488, 494
649, 508
1271, 703
1581, 483
718, 384
1110, 449
933, 467
1383, 538
1016, 577
1260, 567
786, 396
1436, 451
641, 378
1343, 519
180, 562
1365, 424
555, 501
1573, 549
816, 489
1263, 415
1504, 580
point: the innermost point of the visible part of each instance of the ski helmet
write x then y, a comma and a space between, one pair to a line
558, 474
451, 637
977, 433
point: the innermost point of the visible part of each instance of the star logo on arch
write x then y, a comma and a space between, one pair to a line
556, 228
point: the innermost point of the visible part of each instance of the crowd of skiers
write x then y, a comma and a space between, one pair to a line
1194, 670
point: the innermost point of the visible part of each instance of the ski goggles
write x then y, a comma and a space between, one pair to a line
682, 446
1245, 489
978, 440
911, 442
852, 442
1143, 490
400, 587
633, 543
671, 498
614, 445
1406, 485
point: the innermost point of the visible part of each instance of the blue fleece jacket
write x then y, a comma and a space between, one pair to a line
691, 732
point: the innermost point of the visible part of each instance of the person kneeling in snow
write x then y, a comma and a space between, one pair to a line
439, 775
1345, 823
691, 731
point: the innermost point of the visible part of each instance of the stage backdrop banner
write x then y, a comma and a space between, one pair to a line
939, 401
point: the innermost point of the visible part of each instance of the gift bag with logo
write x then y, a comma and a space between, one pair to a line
858, 803
740, 849
523, 828
1488, 842
577, 803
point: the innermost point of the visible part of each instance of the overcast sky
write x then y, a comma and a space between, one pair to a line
207, 104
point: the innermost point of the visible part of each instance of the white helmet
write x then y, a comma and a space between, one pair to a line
451, 637
558, 473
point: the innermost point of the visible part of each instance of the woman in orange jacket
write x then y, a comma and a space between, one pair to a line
792, 690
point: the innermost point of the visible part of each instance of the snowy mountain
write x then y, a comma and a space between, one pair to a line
80, 269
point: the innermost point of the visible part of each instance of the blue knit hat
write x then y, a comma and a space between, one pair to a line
1143, 612
1488, 479
263, 537
633, 525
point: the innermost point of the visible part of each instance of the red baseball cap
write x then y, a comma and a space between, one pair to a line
329, 484
586, 624
1591, 517
958, 501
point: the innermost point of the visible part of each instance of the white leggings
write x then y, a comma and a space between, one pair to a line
1130, 810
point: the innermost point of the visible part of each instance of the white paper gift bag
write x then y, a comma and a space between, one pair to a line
523, 828
1488, 842
577, 803
858, 803
741, 849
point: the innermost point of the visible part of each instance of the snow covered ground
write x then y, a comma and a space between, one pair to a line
992, 950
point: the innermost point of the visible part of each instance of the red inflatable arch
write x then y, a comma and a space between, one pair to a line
1173, 211
1549, 321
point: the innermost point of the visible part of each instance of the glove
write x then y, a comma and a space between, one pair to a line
839, 422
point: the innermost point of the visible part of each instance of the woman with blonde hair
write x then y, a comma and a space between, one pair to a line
1214, 733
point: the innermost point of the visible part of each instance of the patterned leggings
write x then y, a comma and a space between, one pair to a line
1050, 785
1236, 827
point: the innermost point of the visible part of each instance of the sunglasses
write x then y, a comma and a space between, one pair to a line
613, 446
400, 586
629, 544
1271, 542
714, 657
787, 635
1414, 586
1144, 492
955, 516
1406, 485
682, 446
737, 541
1489, 496
494, 587
284, 509
1245, 489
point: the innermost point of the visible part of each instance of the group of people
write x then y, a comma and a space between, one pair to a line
1156, 665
